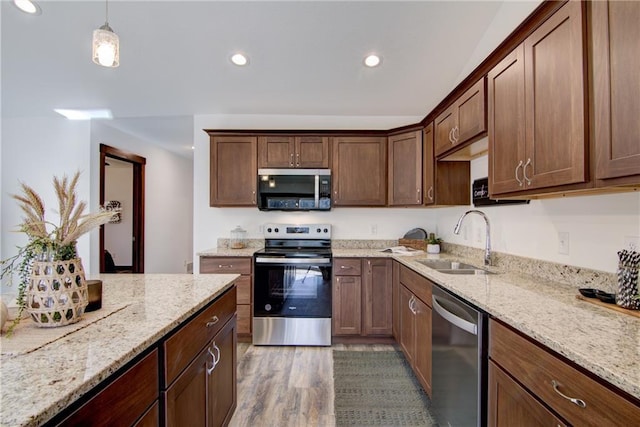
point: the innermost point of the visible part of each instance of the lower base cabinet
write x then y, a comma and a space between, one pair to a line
529, 385
205, 393
415, 324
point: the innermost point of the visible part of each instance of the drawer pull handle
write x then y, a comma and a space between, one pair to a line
579, 402
213, 362
213, 321
225, 265
345, 267
216, 361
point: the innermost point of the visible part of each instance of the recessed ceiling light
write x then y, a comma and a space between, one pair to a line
28, 6
372, 61
84, 114
239, 59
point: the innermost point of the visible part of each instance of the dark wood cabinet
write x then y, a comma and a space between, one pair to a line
359, 171
205, 392
547, 378
288, 151
395, 296
362, 297
445, 182
233, 170
405, 169
128, 400
244, 285
377, 309
415, 324
554, 151
511, 405
464, 121
616, 107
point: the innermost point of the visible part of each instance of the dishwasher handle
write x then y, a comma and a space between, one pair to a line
461, 323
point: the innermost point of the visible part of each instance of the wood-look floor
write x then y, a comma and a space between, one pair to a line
287, 386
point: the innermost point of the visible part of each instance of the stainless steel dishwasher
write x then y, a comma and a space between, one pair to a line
459, 370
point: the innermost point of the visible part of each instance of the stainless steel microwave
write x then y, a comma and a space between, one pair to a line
294, 189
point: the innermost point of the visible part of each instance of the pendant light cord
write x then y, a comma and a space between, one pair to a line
107, 12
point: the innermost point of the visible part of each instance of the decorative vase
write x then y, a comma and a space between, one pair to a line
628, 269
57, 292
433, 249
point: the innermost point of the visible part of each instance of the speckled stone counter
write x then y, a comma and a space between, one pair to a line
38, 385
603, 341
222, 251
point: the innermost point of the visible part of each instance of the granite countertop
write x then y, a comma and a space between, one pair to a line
37, 385
600, 340
221, 251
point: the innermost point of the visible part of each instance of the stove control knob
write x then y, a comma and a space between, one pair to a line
267, 307
276, 230
269, 230
318, 230
326, 230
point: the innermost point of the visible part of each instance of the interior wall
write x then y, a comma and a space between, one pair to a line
598, 226
119, 186
168, 200
34, 150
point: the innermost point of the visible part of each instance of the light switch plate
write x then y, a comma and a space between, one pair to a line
563, 243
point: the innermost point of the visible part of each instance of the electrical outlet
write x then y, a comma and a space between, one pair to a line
374, 229
563, 243
632, 242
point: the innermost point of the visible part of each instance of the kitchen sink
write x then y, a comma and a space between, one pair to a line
452, 267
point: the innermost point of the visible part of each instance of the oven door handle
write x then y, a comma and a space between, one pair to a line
268, 260
461, 323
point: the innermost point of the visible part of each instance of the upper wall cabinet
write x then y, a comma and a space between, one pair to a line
359, 171
446, 183
293, 152
234, 170
405, 169
554, 149
464, 121
616, 109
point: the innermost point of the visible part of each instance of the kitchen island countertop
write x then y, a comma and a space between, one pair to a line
37, 385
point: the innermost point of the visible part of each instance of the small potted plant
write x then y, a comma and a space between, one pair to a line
52, 287
433, 244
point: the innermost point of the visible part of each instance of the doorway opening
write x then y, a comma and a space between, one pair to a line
122, 189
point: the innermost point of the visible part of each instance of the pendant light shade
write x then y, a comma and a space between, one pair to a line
106, 44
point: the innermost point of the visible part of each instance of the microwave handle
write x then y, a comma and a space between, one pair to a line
316, 186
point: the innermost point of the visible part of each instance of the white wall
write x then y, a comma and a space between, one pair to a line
33, 151
598, 226
168, 200
118, 178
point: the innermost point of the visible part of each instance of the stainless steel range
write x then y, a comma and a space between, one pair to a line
292, 286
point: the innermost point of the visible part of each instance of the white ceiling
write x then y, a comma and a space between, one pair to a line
305, 58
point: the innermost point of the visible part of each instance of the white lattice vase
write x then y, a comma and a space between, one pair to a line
57, 292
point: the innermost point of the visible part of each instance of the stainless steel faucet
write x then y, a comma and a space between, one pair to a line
487, 249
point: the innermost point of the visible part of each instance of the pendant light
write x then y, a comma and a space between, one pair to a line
106, 44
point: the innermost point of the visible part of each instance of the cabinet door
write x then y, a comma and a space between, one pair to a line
511, 405
616, 61
378, 299
405, 169
444, 127
186, 399
429, 166
472, 118
359, 171
222, 392
234, 170
347, 305
312, 152
555, 100
407, 324
506, 124
422, 359
276, 152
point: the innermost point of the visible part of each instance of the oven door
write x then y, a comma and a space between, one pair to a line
292, 287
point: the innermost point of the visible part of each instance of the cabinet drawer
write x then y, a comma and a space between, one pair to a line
536, 368
185, 344
238, 265
123, 401
347, 267
418, 285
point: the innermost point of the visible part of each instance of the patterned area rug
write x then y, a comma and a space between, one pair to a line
378, 388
